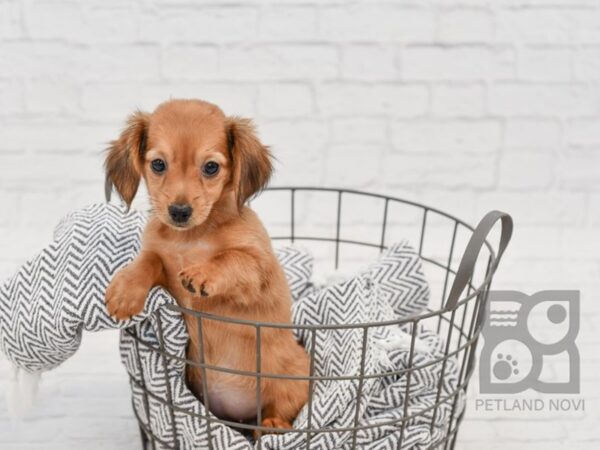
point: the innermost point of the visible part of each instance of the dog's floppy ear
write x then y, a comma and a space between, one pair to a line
252, 164
125, 158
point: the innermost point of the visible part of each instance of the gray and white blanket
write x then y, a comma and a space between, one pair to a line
57, 295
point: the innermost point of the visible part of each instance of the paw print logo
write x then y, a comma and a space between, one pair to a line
521, 334
505, 367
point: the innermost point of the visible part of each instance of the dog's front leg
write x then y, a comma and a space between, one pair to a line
126, 295
229, 272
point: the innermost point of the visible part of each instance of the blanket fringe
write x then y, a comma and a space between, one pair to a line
21, 392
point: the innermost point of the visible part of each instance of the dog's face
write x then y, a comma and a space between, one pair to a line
190, 155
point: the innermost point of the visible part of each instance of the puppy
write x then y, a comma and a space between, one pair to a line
210, 252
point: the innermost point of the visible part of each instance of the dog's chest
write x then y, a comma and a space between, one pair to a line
177, 256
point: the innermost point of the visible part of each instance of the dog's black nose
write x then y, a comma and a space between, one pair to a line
180, 213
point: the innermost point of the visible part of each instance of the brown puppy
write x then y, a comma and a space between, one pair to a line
210, 251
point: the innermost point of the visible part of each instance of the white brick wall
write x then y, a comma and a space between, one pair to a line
467, 105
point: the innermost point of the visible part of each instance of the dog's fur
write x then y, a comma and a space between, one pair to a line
219, 262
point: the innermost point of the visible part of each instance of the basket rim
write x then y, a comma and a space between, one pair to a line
374, 195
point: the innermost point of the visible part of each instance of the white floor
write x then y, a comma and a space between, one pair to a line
85, 403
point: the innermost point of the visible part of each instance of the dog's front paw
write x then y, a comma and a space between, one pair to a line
125, 296
199, 280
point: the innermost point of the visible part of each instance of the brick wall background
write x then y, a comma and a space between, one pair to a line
466, 105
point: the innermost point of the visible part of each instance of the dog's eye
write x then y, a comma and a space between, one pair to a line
158, 166
210, 168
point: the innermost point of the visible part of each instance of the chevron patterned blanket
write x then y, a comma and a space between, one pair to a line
58, 294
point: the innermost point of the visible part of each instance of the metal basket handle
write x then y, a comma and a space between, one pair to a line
467, 263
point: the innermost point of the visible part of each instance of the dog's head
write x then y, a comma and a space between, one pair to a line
190, 155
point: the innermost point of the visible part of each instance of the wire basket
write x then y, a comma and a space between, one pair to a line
348, 229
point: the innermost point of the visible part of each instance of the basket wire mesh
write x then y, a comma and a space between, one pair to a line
459, 317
